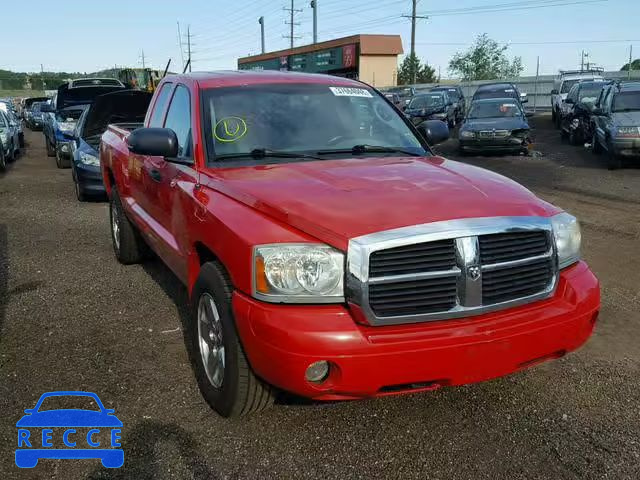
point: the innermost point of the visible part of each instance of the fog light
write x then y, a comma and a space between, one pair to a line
317, 372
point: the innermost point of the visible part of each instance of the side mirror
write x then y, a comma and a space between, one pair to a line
523, 98
597, 111
434, 131
46, 108
156, 142
109, 411
554, 91
29, 411
569, 101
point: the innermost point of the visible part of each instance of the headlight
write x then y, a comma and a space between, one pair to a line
5, 138
627, 132
467, 134
66, 127
566, 232
298, 273
89, 159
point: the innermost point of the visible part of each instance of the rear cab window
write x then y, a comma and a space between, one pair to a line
179, 120
160, 105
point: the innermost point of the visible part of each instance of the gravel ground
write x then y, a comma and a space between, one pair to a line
72, 318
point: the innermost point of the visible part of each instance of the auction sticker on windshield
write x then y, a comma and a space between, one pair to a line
351, 92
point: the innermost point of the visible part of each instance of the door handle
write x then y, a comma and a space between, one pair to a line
155, 175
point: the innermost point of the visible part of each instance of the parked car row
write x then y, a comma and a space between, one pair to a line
602, 114
75, 118
11, 133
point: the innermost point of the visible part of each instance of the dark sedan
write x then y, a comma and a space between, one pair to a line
495, 125
124, 107
431, 106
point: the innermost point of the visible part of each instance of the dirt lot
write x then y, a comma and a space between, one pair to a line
72, 318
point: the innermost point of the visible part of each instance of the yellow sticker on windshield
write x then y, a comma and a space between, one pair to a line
230, 129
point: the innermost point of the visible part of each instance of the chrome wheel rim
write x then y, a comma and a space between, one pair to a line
115, 227
210, 340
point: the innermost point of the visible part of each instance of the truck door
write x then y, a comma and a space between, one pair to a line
171, 184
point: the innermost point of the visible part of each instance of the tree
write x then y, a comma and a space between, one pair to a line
485, 60
409, 66
635, 65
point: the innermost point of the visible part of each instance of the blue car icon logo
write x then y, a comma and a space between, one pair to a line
69, 433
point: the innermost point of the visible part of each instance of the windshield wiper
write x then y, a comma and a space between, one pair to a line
360, 149
258, 153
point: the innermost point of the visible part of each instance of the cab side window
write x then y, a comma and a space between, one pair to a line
179, 120
160, 106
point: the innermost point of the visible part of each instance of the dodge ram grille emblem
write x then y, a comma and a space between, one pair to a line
474, 272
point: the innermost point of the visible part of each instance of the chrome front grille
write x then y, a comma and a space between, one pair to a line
451, 269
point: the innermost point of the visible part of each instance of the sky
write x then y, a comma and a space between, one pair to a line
90, 35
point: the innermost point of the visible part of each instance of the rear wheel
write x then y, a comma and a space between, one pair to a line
221, 368
60, 161
21, 140
574, 138
3, 161
128, 245
82, 197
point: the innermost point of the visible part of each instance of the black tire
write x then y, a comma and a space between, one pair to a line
553, 116
22, 140
596, 148
62, 162
51, 150
128, 245
3, 160
240, 392
614, 161
80, 195
563, 134
12, 154
573, 138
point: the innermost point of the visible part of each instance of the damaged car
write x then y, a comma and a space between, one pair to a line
432, 106
71, 100
495, 125
575, 113
125, 109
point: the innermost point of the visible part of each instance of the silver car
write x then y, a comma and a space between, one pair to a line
9, 136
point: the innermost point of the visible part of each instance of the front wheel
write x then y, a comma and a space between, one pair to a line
51, 150
3, 160
596, 148
222, 370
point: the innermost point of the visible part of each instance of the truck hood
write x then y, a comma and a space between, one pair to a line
626, 119
335, 200
499, 123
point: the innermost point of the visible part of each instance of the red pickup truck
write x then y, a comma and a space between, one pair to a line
326, 249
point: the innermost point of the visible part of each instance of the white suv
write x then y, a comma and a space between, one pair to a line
561, 87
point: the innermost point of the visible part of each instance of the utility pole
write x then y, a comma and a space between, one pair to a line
143, 64
180, 45
582, 61
292, 12
630, 60
44, 85
414, 16
314, 5
261, 22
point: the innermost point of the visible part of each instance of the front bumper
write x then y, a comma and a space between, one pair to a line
506, 144
89, 178
281, 341
626, 147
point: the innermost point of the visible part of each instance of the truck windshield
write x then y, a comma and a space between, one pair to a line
626, 102
301, 119
567, 84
